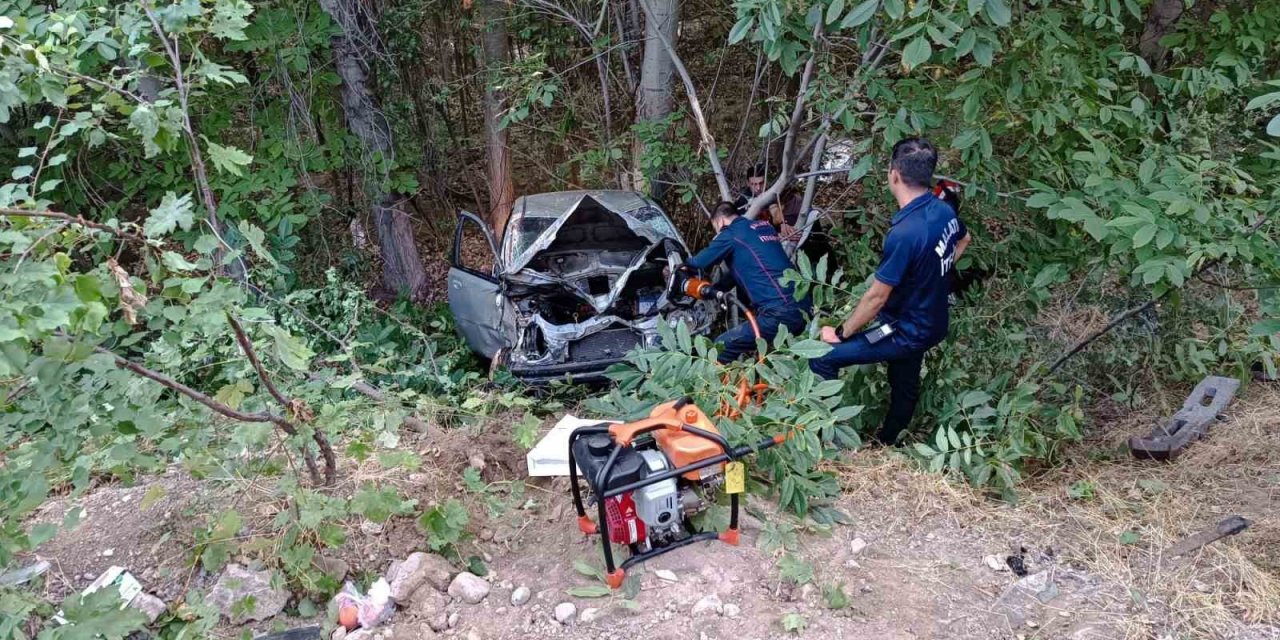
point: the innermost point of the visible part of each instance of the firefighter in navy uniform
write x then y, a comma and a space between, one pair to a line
756, 261
909, 293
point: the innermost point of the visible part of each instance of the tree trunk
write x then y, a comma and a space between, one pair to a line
1162, 19
653, 99
495, 56
402, 269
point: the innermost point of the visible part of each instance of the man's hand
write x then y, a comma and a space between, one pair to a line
829, 335
787, 231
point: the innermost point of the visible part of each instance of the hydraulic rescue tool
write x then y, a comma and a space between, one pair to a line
649, 477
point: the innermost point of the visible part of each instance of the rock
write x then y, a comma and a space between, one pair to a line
473, 635
361, 634
994, 563
370, 528
340, 633
708, 604
589, 615
469, 588
427, 603
857, 545
440, 623
335, 568
565, 611
108, 553
149, 605
476, 461
405, 577
666, 574
236, 584
453, 619
731, 611
520, 596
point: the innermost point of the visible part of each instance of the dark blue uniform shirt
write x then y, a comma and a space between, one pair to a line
918, 253
757, 260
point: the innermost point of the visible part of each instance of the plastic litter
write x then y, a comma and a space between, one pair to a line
366, 611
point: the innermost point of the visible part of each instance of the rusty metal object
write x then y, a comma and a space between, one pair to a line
1228, 527
1190, 423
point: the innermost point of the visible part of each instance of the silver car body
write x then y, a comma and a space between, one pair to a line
577, 282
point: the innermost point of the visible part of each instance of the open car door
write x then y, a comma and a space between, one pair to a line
474, 295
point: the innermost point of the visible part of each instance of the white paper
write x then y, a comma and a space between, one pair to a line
550, 457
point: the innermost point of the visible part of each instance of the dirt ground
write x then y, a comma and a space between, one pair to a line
932, 563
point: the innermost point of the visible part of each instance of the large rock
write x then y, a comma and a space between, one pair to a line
565, 611
418, 569
242, 595
469, 588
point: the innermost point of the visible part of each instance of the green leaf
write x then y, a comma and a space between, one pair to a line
590, 591
1144, 235
174, 212
834, 10
860, 14
860, 170
1041, 200
894, 8
228, 159
22, 171
975, 6
1130, 537
257, 240
794, 623
1273, 127
176, 262
916, 52
811, 348
1268, 327
998, 12
740, 30
294, 353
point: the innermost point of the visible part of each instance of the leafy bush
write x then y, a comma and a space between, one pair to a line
808, 410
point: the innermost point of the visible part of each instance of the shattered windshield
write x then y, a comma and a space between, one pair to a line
528, 225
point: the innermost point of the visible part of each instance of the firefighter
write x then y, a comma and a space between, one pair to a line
910, 290
756, 262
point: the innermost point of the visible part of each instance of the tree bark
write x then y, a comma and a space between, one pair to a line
402, 269
495, 55
653, 97
1162, 19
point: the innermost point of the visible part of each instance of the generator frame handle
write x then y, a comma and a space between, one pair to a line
614, 575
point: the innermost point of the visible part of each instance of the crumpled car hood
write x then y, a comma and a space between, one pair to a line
628, 213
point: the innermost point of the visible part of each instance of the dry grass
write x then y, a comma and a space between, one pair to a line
1230, 589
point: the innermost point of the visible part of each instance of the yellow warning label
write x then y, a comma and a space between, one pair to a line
735, 477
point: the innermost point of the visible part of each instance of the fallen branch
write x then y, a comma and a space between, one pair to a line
77, 220
1125, 315
212, 404
295, 407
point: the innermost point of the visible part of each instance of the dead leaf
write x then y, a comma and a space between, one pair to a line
130, 299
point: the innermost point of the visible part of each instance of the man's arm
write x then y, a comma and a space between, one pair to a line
870, 304
962, 245
715, 252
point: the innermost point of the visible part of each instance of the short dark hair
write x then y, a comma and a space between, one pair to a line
724, 209
915, 159
757, 171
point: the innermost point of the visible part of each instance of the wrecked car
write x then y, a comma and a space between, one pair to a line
576, 282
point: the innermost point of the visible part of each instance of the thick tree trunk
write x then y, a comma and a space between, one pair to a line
1162, 19
495, 56
653, 99
402, 269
